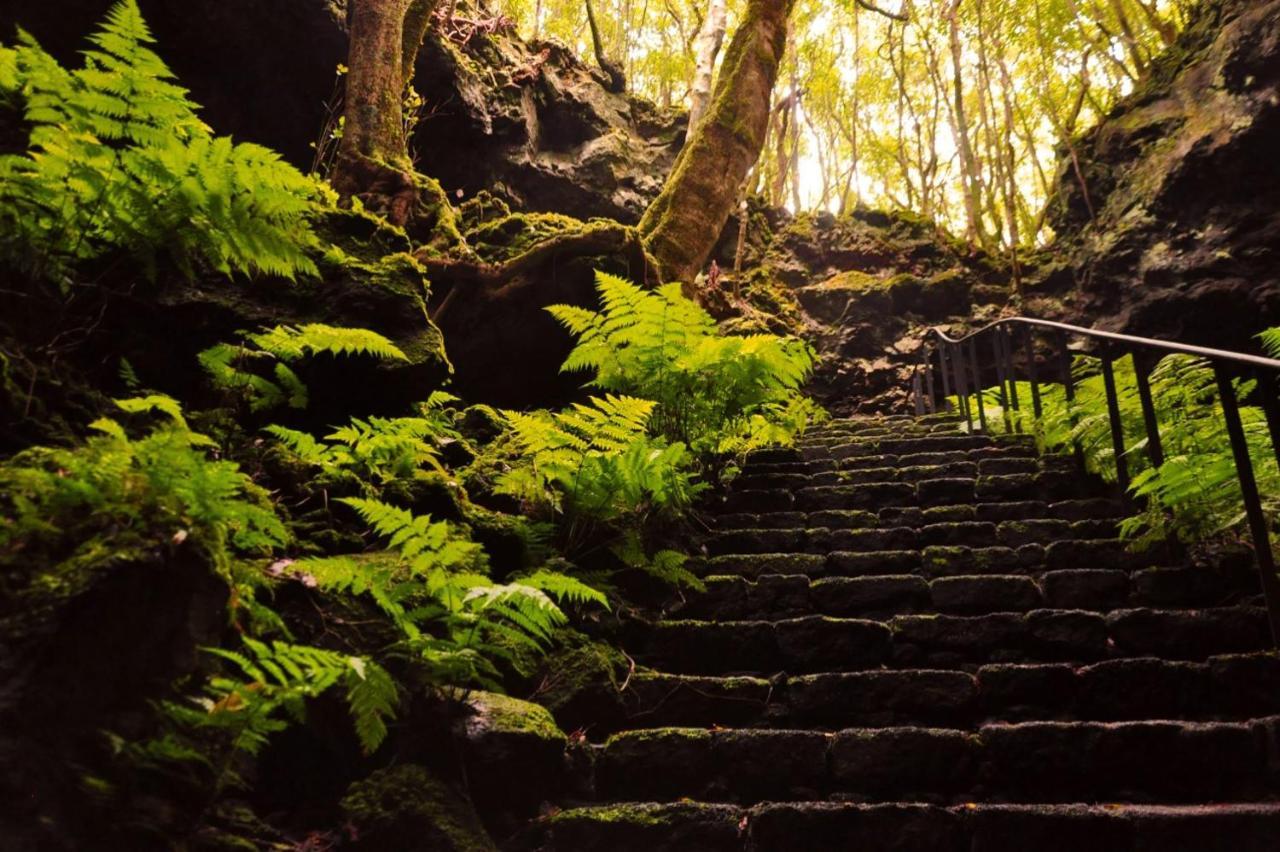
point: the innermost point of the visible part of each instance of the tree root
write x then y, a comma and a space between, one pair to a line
498, 281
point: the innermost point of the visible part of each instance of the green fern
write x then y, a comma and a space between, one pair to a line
228, 364
433, 588
292, 344
118, 160
714, 393
265, 689
1195, 494
71, 510
1271, 341
596, 461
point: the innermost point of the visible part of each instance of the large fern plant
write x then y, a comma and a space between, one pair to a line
231, 366
715, 393
118, 161
1194, 494
432, 584
68, 511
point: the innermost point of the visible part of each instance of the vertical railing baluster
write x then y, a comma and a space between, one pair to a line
1155, 448
1113, 416
961, 387
997, 352
975, 368
946, 374
1006, 344
917, 383
1069, 394
931, 397
1036, 405
1252, 501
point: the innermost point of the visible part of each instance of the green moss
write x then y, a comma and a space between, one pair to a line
506, 715
581, 668
651, 734
435, 217
856, 281
480, 209
511, 236
637, 815
406, 807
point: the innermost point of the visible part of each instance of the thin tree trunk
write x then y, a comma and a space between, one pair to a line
611, 69
710, 39
683, 223
373, 157
968, 163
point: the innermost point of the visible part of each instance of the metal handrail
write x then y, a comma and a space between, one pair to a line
954, 363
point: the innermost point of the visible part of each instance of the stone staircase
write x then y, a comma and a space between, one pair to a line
914, 638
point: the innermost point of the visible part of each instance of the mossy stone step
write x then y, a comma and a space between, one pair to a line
1232, 687
911, 826
805, 644
1149, 761
930, 562
815, 643
730, 596
825, 539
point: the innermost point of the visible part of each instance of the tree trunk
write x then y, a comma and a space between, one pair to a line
373, 158
968, 163
710, 38
612, 70
683, 223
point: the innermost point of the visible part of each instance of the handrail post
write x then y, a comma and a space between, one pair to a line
1037, 407
1006, 343
1252, 501
1069, 394
997, 352
946, 377
958, 383
1113, 415
931, 397
976, 367
1155, 448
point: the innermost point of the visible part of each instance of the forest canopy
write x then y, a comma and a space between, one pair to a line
957, 110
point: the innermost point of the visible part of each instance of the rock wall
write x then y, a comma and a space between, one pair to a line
863, 288
1177, 220
528, 121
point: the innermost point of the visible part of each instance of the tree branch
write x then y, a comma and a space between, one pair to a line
871, 7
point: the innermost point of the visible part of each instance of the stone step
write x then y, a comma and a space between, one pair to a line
729, 597
908, 827
897, 471
823, 539
899, 446
1041, 762
1224, 688
816, 643
912, 516
935, 560
878, 494
791, 461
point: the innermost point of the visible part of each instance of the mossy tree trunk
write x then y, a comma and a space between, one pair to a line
683, 223
373, 161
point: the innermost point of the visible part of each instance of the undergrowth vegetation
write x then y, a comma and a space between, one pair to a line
390, 558
1194, 495
119, 162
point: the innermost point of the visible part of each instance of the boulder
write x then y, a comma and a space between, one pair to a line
512, 751
406, 807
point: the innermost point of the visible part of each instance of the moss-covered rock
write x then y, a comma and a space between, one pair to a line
512, 235
581, 685
512, 750
368, 279
408, 808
